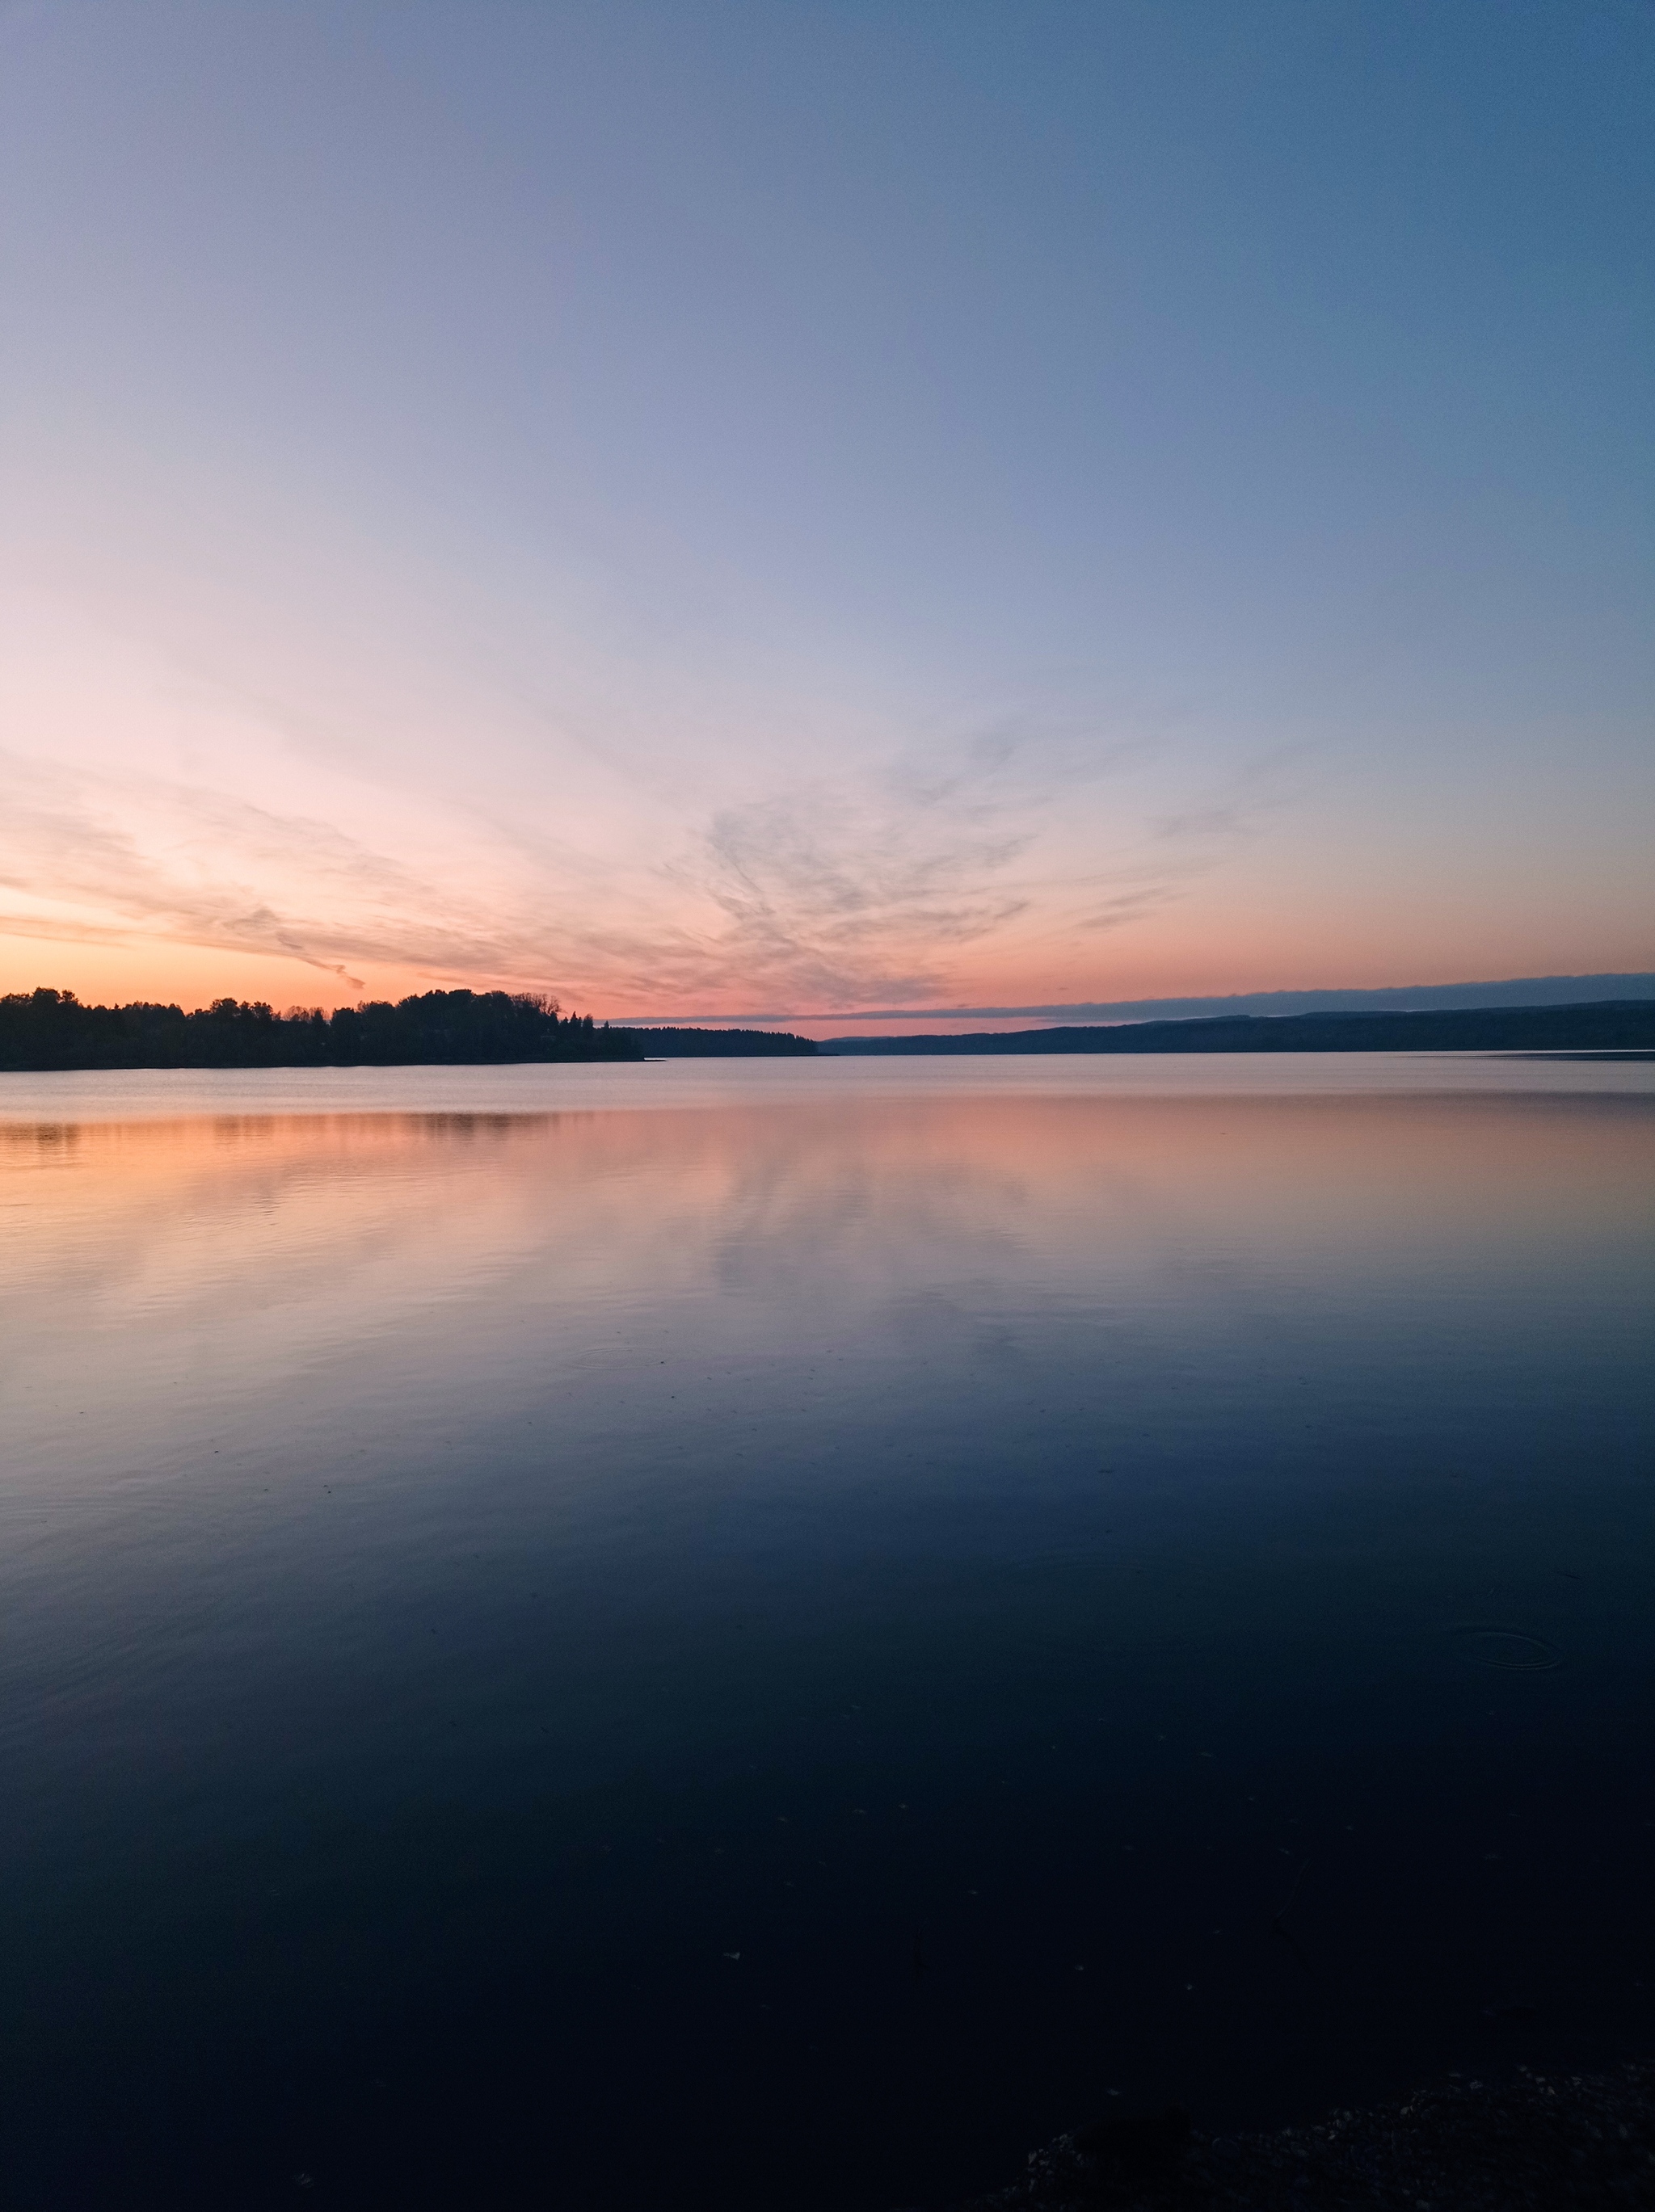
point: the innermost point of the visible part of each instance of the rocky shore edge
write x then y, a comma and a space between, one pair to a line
1526, 2142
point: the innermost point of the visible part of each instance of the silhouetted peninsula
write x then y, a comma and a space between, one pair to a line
45, 1029
52, 1030
1608, 1025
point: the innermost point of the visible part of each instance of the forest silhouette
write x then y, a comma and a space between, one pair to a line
47, 1029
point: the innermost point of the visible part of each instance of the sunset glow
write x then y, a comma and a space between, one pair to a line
766, 515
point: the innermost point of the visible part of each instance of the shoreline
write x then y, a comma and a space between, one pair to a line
1527, 2141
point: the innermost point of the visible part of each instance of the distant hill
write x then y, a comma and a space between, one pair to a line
52, 1030
1609, 1025
719, 1044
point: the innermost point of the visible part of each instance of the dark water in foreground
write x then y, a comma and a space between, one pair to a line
761, 1636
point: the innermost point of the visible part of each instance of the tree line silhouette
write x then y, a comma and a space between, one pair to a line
665, 1043
47, 1029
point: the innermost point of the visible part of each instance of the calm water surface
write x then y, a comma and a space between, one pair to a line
760, 1635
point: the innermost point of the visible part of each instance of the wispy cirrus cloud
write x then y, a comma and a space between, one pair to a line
834, 889
827, 891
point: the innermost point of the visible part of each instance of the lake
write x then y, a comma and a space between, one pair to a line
750, 1634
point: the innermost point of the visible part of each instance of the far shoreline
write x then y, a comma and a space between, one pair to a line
50, 1032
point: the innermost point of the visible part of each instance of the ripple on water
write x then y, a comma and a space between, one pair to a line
1511, 1649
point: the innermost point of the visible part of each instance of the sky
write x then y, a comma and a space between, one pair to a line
783, 510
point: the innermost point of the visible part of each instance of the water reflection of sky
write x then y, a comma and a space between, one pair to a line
392, 1495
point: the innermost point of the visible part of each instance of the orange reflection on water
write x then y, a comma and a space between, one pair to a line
321, 1224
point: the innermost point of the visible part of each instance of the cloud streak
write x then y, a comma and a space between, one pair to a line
827, 891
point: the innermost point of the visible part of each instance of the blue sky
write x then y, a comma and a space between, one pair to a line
803, 508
